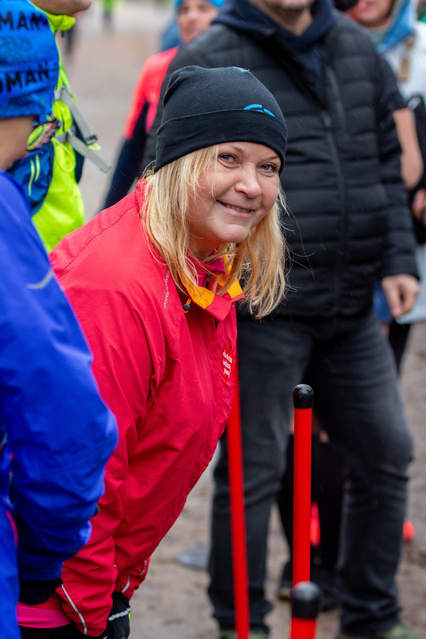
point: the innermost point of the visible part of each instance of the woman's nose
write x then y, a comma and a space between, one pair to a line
248, 182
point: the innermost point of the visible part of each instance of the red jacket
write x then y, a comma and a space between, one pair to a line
148, 88
167, 376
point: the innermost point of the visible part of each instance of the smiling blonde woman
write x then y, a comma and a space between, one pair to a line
154, 281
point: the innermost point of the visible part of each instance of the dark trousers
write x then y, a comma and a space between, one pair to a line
352, 371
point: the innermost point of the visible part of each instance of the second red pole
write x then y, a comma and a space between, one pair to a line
238, 524
302, 401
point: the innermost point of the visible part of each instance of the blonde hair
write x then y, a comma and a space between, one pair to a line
258, 261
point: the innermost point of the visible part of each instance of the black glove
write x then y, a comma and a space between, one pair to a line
118, 621
119, 617
34, 592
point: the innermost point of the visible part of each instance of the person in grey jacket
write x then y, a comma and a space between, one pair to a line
349, 225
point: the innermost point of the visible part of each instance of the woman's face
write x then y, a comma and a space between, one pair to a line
235, 193
194, 17
372, 14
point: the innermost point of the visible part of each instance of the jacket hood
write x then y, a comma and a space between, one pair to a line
401, 24
244, 16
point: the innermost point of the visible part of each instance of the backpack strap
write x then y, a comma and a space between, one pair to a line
404, 69
89, 138
80, 147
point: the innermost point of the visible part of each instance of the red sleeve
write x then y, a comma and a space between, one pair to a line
137, 104
148, 89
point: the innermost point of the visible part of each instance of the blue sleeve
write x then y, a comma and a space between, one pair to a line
59, 432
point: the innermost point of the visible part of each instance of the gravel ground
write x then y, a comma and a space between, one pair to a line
172, 602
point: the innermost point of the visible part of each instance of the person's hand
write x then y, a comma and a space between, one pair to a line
33, 592
118, 626
418, 206
119, 617
401, 292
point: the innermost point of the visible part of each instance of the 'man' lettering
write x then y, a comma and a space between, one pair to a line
43, 74
13, 81
31, 22
35, 20
6, 20
30, 78
22, 22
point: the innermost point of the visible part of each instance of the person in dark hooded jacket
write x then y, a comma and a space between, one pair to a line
349, 225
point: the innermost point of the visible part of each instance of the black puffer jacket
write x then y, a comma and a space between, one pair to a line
349, 223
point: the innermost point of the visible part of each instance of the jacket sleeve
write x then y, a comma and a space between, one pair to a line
59, 432
124, 371
399, 254
129, 161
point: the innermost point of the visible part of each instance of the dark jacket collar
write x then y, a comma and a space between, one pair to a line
244, 16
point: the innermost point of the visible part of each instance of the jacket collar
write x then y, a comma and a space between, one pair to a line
217, 305
246, 17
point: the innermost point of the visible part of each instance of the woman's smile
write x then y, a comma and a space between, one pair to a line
238, 209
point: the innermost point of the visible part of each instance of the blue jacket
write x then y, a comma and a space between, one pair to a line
56, 433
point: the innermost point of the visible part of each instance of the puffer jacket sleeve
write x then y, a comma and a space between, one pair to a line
59, 432
123, 369
399, 255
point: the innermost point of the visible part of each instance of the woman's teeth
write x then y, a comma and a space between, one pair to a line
236, 208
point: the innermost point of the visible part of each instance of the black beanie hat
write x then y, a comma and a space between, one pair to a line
204, 107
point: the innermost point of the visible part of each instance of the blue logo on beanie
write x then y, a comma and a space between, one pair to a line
258, 107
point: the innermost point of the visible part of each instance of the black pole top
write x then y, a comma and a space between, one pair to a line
305, 600
303, 396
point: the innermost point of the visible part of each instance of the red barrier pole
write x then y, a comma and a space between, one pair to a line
305, 600
238, 526
302, 402
305, 596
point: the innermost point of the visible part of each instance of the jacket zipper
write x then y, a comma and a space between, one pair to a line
341, 184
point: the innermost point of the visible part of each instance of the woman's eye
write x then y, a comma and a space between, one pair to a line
226, 157
269, 168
